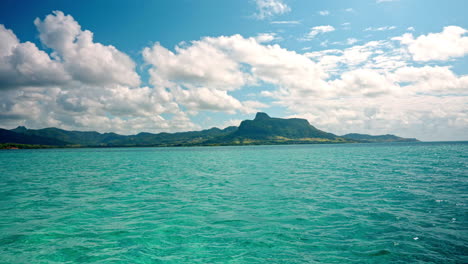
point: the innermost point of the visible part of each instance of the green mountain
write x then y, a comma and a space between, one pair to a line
175, 139
266, 127
267, 130
62, 137
7, 136
261, 130
90, 138
379, 138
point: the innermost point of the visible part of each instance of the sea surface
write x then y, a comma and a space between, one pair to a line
349, 203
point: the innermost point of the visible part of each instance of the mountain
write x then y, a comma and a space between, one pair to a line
7, 136
380, 138
267, 130
263, 129
60, 137
175, 139
86, 138
266, 127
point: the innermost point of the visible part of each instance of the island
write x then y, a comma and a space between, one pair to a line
262, 130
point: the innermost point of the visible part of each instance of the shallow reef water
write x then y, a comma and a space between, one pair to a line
348, 203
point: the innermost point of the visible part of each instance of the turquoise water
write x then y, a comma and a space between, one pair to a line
354, 203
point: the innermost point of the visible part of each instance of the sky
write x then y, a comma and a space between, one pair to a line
365, 66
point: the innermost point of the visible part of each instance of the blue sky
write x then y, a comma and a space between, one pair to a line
364, 66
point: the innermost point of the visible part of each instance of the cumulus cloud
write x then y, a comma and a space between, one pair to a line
375, 70
106, 109
85, 60
202, 98
271, 63
81, 85
368, 55
423, 116
23, 64
269, 8
251, 107
75, 57
266, 37
450, 43
374, 87
363, 82
318, 30
434, 80
201, 64
216, 65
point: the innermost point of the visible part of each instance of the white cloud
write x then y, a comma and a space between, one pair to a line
8, 41
269, 8
85, 60
324, 12
225, 64
450, 43
355, 57
351, 41
372, 88
369, 88
23, 64
82, 85
432, 80
424, 117
380, 28
363, 82
319, 30
375, 91
203, 98
75, 57
118, 109
349, 10
199, 65
266, 37
410, 29
286, 22
251, 107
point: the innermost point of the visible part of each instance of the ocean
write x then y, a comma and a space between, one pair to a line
347, 203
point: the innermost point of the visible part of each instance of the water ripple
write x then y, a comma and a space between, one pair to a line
366, 203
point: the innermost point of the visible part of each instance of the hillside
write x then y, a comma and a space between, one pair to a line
379, 138
263, 129
60, 137
7, 136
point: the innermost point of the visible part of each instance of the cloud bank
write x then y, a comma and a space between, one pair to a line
375, 87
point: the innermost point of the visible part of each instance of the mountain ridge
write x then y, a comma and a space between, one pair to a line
377, 138
263, 129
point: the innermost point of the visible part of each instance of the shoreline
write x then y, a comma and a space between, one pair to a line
19, 147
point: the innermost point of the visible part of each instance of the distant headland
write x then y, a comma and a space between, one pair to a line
263, 130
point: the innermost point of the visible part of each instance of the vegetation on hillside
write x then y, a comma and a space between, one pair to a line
262, 130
